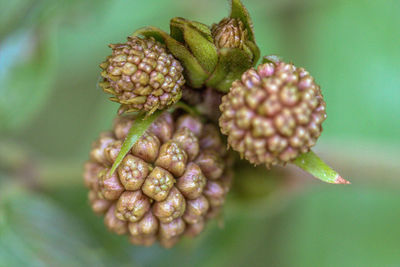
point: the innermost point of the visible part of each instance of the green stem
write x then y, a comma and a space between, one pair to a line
191, 110
312, 164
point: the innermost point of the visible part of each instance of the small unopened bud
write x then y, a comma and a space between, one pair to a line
91, 174
158, 184
112, 150
171, 208
192, 182
132, 172
215, 193
211, 164
147, 147
97, 153
195, 210
163, 127
229, 33
172, 229
99, 206
148, 225
172, 158
122, 125
190, 122
110, 187
211, 138
113, 223
194, 229
188, 141
131, 206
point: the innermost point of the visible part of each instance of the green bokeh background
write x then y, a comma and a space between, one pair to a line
51, 110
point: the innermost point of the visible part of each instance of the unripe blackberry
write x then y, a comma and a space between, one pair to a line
142, 75
173, 180
229, 33
273, 113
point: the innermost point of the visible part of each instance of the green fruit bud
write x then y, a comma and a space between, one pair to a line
229, 33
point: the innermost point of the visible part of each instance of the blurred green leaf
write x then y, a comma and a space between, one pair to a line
13, 15
26, 73
349, 226
35, 232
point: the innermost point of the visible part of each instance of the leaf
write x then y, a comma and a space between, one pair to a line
35, 232
240, 12
137, 130
13, 12
346, 226
194, 73
255, 51
231, 65
312, 164
203, 28
198, 38
26, 74
176, 29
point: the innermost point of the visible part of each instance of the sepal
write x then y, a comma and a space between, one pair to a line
312, 164
232, 63
194, 73
197, 37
